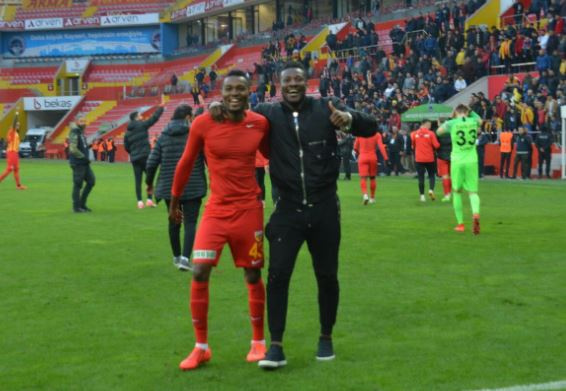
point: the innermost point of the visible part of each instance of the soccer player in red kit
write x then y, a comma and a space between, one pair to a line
12, 157
424, 144
234, 212
367, 163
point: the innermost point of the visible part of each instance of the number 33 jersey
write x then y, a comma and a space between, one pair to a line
464, 133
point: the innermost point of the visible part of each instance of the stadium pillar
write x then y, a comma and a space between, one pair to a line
230, 26
202, 33
334, 9
278, 13
252, 17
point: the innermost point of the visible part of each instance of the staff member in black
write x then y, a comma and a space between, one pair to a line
80, 164
523, 153
304, 166
136, 143
544, 144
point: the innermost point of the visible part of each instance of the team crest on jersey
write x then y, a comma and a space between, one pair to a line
258, 235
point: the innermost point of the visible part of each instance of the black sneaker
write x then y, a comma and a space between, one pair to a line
86, 208
274, 358
79, 210
325, 350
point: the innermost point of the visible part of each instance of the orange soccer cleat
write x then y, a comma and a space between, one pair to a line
476, 229
194, 360
257, 351
459, 228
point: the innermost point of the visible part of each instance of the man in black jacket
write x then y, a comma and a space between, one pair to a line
304, 166
136, 143
165, 154
544, 144
523, 153
80, 164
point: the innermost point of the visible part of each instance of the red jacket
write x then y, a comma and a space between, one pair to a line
424, 143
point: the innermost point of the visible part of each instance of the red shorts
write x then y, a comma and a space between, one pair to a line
443, 167
241, 229
12, 159
367, 166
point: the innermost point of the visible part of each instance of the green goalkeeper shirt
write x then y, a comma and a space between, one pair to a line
464, 133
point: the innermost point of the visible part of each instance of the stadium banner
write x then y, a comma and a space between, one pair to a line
76, 66
40, 4
44, 24
129, 20
73, 23
51, 103
82, 42
119, 2
203, 6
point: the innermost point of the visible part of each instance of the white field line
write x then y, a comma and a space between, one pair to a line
556, 385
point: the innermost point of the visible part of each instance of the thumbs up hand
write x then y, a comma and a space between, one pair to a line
340, 119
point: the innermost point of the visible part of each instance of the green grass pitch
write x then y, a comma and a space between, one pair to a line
92, 301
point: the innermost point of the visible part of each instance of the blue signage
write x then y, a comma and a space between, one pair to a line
82, 42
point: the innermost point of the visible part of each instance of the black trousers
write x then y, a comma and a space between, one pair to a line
395, 163
139, 170
260, 177
190, 210
542, 158
346, 156
289, 226
111, 156
524, 159
430, 169
82, 174
504, 164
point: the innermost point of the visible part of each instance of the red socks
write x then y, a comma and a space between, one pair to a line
372, 186
199, 310
447, 186
256, 300
364, 185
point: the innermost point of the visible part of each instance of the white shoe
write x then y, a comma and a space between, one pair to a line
140, 205
365, 199
182, 263
150, 204
423, 199
372, 200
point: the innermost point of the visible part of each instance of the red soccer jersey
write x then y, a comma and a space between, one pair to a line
367, 146
230, 151
424, 143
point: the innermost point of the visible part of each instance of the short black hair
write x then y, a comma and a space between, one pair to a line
294, 64
133, 115
182, 111
237, 72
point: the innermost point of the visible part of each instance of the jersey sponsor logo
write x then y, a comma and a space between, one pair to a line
204, 254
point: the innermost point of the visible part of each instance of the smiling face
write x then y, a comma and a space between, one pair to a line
293, 85
235, 91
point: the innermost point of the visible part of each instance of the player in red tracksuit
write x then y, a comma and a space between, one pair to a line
367, 163
234, 212
424, 143
12, 158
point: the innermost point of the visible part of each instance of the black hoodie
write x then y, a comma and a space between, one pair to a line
167, 152
136, 140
